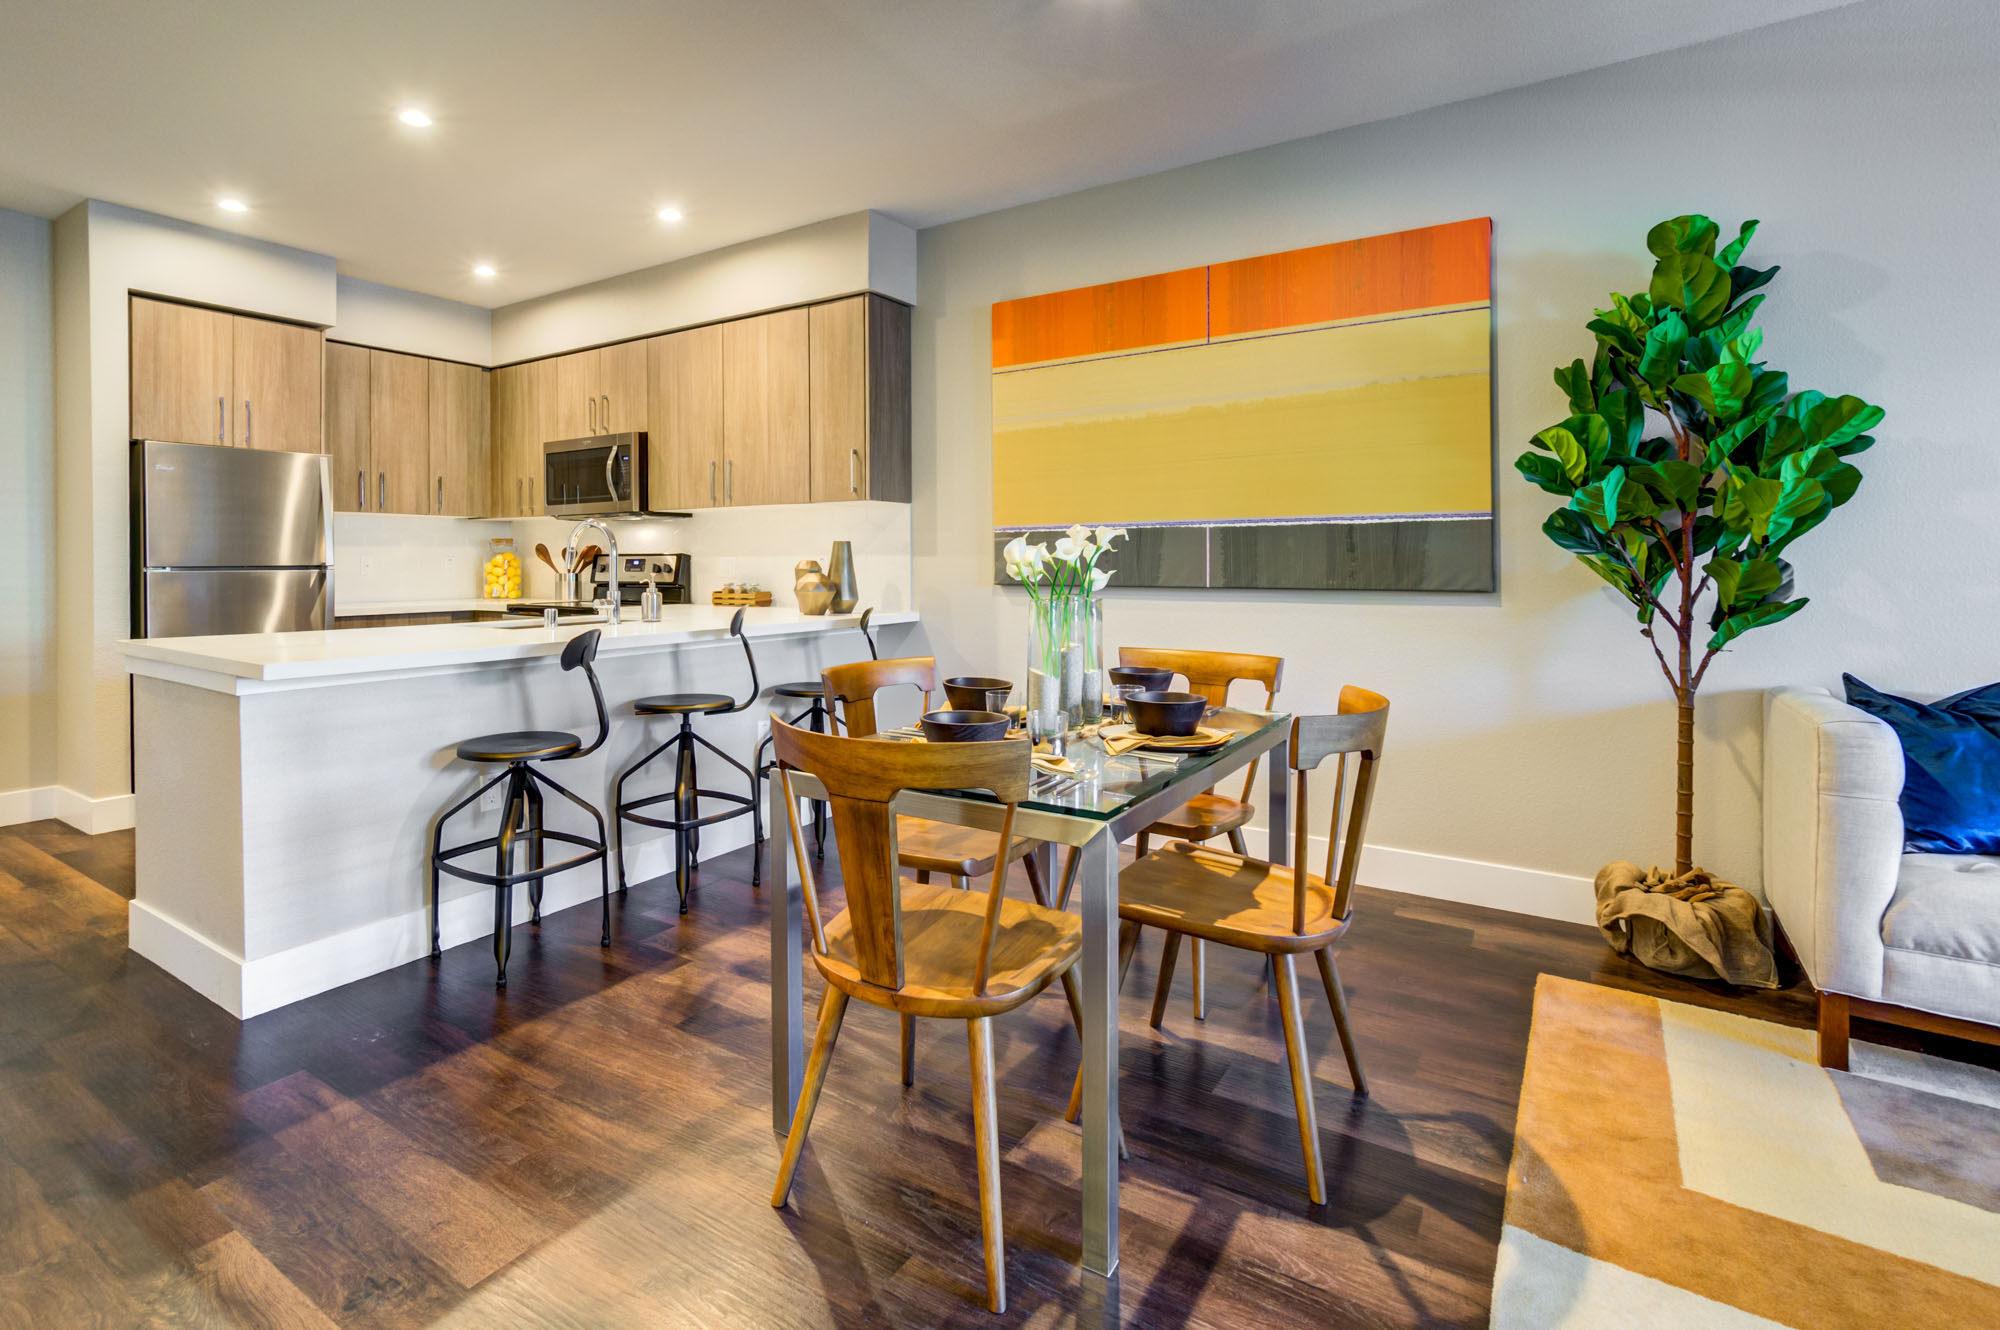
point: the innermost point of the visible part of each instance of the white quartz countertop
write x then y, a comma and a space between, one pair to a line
338, 653
435, 605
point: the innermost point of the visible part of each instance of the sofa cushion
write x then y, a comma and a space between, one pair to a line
1951, 754
1946, 905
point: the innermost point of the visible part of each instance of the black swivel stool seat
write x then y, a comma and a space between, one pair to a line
522, 821
814, 717
687, 794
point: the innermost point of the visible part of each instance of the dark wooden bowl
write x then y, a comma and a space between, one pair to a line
973, 692
957, 727
1140, 676
1166, 715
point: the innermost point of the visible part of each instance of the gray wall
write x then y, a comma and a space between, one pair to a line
27, 520
1531, 726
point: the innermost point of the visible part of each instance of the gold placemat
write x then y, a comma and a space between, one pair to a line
1121, 738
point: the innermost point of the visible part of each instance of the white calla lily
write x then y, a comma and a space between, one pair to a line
1098, 577
1066, 549
1107, 534
1078, 533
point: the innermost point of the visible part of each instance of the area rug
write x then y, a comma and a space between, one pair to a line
1677, 1167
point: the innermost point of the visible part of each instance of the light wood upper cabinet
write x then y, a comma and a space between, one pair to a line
182, 371
860, 355
399, 424
522, 411
347, 407
276, 400
459, 464
684, 413
573, 408
622, 388
766, 406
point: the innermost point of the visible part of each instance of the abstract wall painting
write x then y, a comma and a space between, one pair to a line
1320, 418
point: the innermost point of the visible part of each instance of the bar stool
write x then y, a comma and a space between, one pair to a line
522, 816
813, 718
687, 794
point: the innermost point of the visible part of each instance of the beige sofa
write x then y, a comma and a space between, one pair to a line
1912, 939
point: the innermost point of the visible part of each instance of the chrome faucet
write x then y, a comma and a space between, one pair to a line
610, 550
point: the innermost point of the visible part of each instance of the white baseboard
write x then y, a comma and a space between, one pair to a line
93, 817
1531, 891
251, 988
30, 805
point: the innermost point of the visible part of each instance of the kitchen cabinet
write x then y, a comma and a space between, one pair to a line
459, 439
277, 383
522, 421
399, 431
599, 392
204, 376
859, 353
346, 414
684, 411
766, 407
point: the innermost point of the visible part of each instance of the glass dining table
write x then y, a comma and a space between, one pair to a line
1106, 800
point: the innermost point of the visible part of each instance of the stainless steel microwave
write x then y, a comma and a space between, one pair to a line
600, 475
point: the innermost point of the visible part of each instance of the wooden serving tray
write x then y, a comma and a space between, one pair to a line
742, 598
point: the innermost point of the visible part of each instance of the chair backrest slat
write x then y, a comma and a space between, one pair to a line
851, 688
862, 778
1210, 673
1358, 730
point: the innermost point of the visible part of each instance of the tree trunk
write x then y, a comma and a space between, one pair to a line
1684, 790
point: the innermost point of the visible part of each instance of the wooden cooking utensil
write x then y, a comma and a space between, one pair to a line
587, 556
542, 553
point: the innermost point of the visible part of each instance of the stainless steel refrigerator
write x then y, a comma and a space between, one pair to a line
229, 540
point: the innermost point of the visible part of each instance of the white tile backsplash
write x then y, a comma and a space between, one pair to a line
385, 557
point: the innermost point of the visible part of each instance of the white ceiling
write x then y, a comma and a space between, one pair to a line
562, 128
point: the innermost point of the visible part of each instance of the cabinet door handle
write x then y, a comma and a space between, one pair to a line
440, 493
604, 416
853, 470
381, 491
590, 406
517, 496
729, 480
711, 482
246, 422
531, 496
221, 411
360, 492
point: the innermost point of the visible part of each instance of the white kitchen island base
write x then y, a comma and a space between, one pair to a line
287, 784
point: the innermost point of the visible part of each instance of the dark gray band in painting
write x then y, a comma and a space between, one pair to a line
1413, 554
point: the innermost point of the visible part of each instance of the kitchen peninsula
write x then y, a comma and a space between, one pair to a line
288, 782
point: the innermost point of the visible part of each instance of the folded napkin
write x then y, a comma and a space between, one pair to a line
1119, 739
1049, 762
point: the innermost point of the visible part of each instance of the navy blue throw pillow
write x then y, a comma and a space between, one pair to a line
1951, 755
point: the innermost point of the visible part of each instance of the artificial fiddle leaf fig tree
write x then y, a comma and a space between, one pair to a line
1688, 466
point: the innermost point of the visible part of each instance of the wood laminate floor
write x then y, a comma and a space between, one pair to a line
593, 1148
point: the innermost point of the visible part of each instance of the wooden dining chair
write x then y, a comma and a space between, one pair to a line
926, 847
916, 948
1208, 814
1232, 899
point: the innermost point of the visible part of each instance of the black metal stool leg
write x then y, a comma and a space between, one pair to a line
532, 807
817, 718
683, 783
503, 892
759, 773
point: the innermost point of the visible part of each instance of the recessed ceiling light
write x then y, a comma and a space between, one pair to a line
670, 214
231, 204
482, 270
415, 117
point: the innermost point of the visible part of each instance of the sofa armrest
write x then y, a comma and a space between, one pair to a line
1833, 833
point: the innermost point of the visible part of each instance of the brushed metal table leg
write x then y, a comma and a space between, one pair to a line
1098, 879
1277, 803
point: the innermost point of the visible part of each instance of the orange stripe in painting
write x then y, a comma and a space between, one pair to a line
1420, 269
1094, 320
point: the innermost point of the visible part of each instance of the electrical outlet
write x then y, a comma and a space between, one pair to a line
489, 802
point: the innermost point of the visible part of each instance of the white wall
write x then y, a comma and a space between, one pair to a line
388, 317
27, 520
1531, 727
862, 251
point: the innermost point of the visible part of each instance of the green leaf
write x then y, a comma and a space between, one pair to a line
1739, 318
1837, 419
1662, 354
1569, 453
1693, 233
1677, 483
1599, 501
1569, 530
1742, 281
1574, 380
1744, 583
1840, 482
1748, 502
1723, 445
1734, 249
1616, 335
1757, 616
1693, 283
1624, 417
1727, 574
1767, 389
1720, 390
1546, 472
